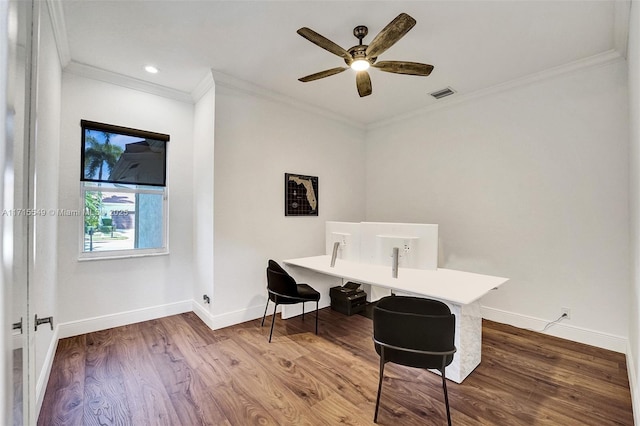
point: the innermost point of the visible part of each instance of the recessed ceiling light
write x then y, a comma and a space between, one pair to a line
151, 69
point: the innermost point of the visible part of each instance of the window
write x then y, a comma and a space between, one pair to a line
124, 193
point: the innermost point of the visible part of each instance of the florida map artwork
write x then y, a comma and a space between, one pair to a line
300, 195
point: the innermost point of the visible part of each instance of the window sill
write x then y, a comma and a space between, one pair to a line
120, 255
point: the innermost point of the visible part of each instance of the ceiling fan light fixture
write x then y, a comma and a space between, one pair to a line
360, 65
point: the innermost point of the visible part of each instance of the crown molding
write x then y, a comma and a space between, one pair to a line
88, 71
203, 87
59, 31
621, 16
222, 80
605, 58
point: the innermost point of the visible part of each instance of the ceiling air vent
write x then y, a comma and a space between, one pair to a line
443, 93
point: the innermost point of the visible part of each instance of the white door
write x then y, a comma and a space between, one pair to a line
15, 83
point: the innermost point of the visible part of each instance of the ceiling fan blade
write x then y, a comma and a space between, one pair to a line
322, 74
363, 82
324, 42
402, 67
390, 34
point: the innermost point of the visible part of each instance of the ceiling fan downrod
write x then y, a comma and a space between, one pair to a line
360, 32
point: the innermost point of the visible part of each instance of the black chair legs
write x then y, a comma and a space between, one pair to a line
265, 312
273, 321
273, 318
444, 388
375, 416
446, 396
316, 315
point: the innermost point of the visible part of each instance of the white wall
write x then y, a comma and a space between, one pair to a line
529, 184
633, 57
103, 293
257, 141
43, 283
203, 162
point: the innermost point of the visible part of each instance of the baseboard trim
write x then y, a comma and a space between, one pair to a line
43, 377
226, 319
633, 383
562, 330
89, 325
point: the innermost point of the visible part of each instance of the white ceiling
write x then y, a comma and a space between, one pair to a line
473, 45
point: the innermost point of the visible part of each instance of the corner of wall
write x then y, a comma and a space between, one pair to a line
633, 384
202, 88
227, 319
633, 66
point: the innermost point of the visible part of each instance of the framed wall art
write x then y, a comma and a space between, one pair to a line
300, 195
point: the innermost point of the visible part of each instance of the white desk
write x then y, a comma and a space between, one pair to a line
461, 291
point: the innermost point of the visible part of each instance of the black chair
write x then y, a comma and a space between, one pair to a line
283, 290
414, 332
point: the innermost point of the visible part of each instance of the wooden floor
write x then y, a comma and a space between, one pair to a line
176, 371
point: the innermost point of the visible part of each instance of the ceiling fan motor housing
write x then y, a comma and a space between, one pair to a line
359, 52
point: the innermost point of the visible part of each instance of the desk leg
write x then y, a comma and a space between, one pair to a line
375, 293
468, 341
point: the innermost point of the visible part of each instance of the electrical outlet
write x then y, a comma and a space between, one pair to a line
565, 312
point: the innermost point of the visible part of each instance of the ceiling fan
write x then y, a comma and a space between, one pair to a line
362, 56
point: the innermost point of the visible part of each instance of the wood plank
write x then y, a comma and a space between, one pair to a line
259, 384
336, 410
175, 370
284, 364
64, 398
149, 401
238, 407
186, 392
105, 401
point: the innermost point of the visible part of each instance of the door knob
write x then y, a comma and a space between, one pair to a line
40, 321
17, 325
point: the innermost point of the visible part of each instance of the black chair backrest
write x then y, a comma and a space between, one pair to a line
414, 323
275, 266
280, 282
